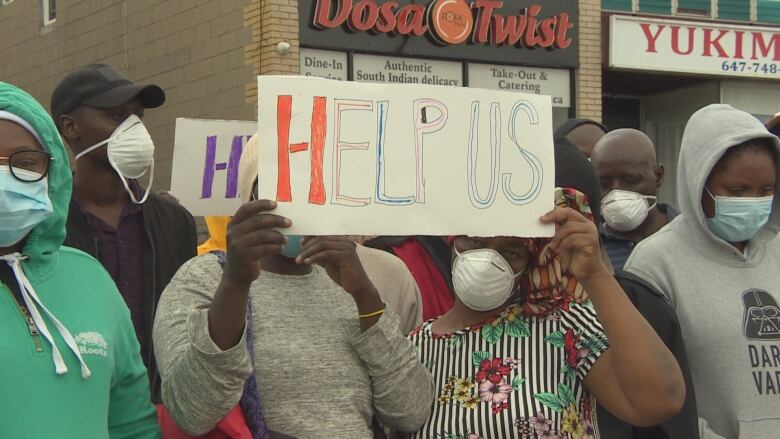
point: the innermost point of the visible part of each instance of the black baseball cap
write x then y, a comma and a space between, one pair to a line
100, 86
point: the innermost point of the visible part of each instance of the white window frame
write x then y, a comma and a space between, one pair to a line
46, 13
713, 8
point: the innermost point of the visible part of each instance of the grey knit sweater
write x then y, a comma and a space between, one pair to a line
318, 376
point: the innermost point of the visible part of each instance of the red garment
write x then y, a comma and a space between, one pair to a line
436, 296
232, 426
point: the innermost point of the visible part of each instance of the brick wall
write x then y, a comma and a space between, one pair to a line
588, 75
193, 49
271, 22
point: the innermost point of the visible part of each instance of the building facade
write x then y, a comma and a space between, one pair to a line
665, 59
206, 53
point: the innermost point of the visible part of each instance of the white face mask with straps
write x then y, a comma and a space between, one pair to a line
483, 280
130, 152
625, 211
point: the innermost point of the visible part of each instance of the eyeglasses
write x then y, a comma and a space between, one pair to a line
28, 165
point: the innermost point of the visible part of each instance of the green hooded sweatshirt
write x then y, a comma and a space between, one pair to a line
35, 402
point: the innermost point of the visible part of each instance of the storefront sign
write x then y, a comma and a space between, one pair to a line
387, 69
349, 158
545, 32
553, 82
448, 21
694, 47
324, 64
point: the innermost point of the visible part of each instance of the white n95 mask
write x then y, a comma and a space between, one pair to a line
482, 279
130, 152
625, 210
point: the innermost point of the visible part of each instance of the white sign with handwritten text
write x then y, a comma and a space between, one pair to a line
397, 159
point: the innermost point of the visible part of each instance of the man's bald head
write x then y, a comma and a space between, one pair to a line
625, 141
626, 159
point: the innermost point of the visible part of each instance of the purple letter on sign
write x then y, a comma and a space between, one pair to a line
211, 166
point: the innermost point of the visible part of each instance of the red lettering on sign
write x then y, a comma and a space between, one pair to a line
386, 22
364, 16
738, 37
484, 13
508, 30
710, 43
531, 40
454, 22
676, 40
563, 26
761, 46
547, 32
411, 20
319, 122
322, 17
652, 38
283, 115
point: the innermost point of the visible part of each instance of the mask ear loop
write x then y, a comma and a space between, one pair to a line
93, 147
127, 187
655, 202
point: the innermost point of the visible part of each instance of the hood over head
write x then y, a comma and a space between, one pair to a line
710, 132
46, 238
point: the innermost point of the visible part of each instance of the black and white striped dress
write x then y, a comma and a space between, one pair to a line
515, 377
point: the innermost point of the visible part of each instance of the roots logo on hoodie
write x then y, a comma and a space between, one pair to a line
761, 319
92, 343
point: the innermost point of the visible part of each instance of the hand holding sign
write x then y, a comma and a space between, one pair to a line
576, 240
250, 237
338, 256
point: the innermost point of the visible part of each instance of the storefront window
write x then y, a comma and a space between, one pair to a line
697, 7
768, 11
655, 6
616, 5
734, 9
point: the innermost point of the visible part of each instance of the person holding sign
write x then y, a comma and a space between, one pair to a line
539, 328
303, 318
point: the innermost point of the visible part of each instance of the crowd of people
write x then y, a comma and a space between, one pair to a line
635, 320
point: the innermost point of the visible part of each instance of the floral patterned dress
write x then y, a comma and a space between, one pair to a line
518, 376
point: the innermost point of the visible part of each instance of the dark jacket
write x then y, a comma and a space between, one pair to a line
171, 240
661, 316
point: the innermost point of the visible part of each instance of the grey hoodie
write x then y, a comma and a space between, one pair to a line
727, 301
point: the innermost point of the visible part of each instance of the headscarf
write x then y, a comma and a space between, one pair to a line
547, 287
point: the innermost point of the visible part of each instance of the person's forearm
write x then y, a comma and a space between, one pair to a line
403, 389
368, 302
227, 314
647, 372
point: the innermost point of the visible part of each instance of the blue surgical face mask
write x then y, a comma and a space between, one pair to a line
293, 247
22, 205
738, 219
